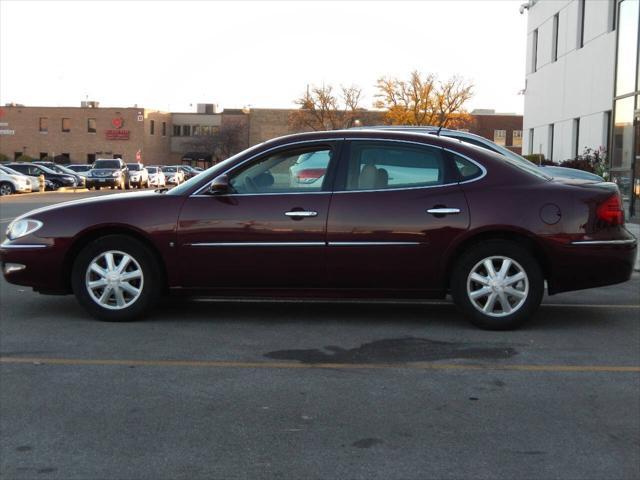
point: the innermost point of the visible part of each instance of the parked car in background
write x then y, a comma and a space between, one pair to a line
397, 215
80, 180
477, 140
33, 181
156, 177
58, 180
109, 172
10, 184
173, 174
81, 169
189, 171
139, 176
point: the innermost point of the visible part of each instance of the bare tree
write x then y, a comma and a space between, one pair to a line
322, 109
423, 100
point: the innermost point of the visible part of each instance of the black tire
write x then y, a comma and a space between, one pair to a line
151, 286
521, 259
56, 185
6, 189
96, 188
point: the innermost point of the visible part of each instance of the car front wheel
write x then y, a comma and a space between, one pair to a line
116, 278
498, 284
6, 189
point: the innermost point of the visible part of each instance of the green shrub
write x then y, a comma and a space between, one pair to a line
24, 158
3, 157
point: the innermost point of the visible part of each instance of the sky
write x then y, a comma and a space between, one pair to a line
170, 55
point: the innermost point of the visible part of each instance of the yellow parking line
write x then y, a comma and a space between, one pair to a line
291, 365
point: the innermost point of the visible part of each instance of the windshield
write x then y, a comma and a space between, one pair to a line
169, 169
152, 169
134, 166
106, 164
62, 169
79, 168
10, 171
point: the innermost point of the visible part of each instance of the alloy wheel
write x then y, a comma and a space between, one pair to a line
114, 280
497, 286
5, 189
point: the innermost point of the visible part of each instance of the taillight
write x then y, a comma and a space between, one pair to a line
610, 211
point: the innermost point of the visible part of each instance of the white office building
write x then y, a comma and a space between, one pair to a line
582, 84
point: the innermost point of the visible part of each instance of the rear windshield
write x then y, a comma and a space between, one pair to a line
107, 164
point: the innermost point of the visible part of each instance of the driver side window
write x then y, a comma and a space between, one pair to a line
300, 170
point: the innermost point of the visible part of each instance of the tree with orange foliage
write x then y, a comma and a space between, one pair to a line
321, 109
425, 100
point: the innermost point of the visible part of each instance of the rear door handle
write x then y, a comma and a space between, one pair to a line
301, 213
443, 211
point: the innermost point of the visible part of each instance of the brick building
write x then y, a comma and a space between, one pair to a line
82, 134
85, 133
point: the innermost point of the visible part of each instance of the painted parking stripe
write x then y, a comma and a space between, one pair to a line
340, 366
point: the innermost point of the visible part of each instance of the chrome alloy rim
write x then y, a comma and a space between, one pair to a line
5, 190
114, 280
497, 286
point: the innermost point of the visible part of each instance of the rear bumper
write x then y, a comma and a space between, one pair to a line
591, 263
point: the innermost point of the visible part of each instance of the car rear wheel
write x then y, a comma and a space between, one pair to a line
6, 189
56, 185
116, 278
498, 284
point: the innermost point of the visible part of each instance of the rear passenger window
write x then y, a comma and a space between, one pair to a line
467, 169
379, 166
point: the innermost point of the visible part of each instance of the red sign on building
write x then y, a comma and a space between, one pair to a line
117, 134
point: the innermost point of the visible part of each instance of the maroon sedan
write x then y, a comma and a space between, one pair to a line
387, 215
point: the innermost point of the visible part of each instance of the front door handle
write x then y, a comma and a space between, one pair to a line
443, 211
301, 213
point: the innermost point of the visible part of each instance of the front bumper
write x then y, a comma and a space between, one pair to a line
37, 265
103, 182
23, 188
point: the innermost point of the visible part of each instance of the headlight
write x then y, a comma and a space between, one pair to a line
116, 174
21, 228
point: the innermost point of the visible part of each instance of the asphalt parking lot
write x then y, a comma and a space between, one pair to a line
253, 390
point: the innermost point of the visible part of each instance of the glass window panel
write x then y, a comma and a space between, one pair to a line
517, 138
283, 172
627, 46
500, 137
380, 166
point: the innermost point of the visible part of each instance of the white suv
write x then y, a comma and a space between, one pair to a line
13, 183
138, 175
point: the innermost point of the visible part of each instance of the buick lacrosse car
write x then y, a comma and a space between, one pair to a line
388, 214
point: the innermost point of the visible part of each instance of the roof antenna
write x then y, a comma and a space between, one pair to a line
439, 128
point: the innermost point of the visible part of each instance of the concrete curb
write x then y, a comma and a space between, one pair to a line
634, 229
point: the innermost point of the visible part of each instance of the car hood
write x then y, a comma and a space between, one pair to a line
109, 201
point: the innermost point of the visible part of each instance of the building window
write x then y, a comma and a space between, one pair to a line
531, 141
176, 130
517, 138
66, 125
534, 51
500, 137
17, 155
44, 124
164, 129
554, 43
550, 146
581, 7
575, 150
622, 154
186, 130
91, 158
43, 155
627, 46
65, 157
195, 130
91, 125
152, 127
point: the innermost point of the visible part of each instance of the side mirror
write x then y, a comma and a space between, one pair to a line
220, 185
